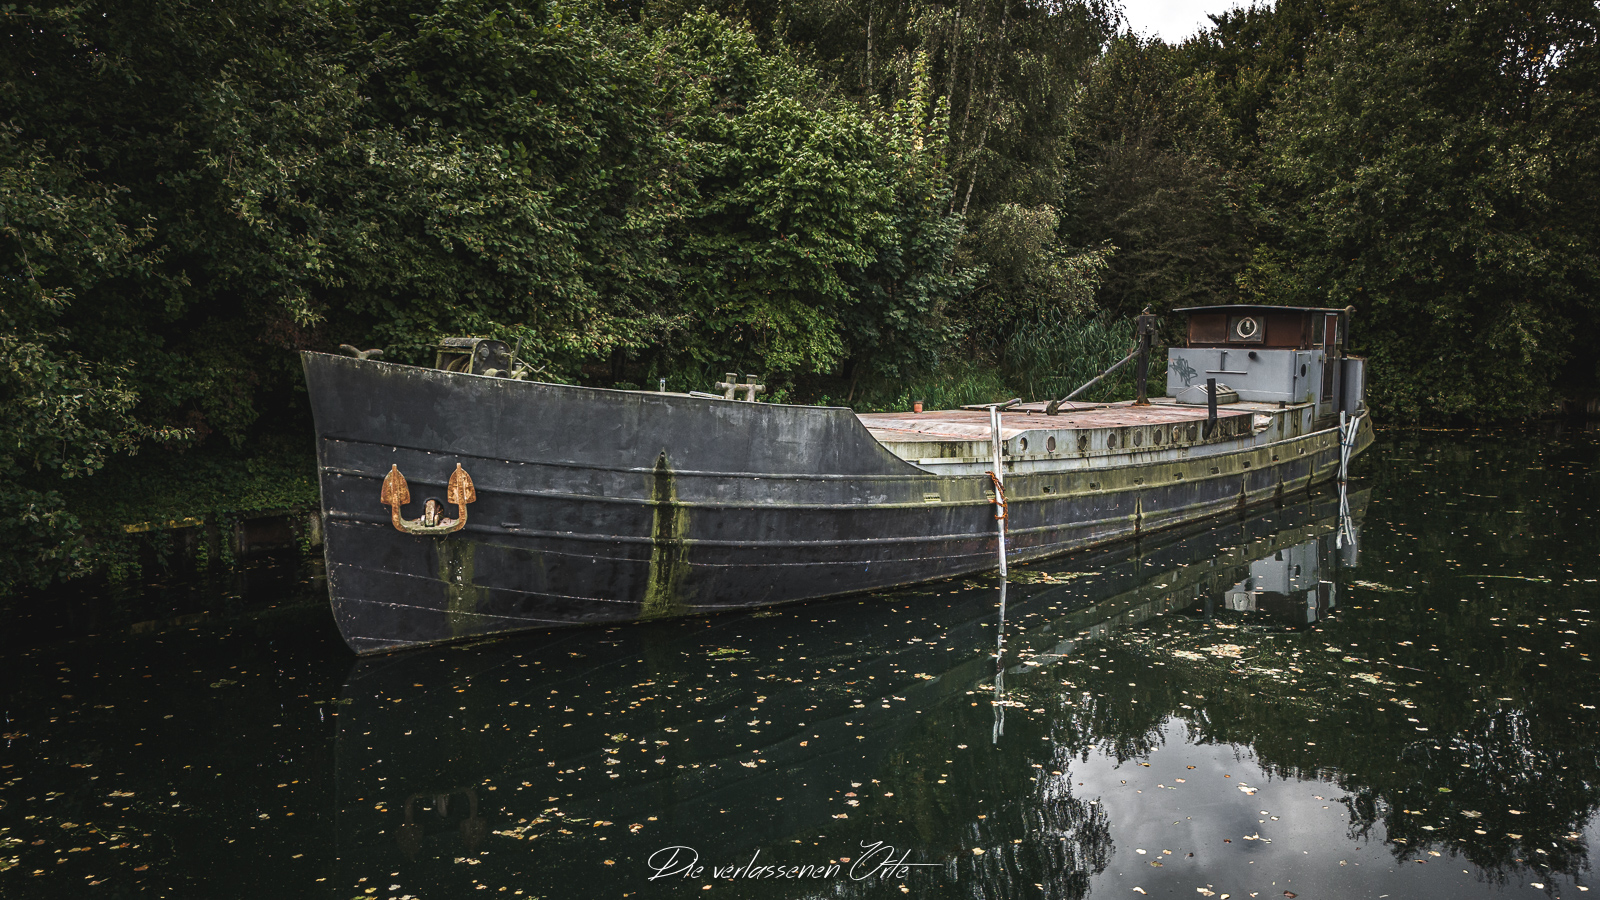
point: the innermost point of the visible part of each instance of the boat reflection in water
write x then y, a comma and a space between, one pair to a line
798, 735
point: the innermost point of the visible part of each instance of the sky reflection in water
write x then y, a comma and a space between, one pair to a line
1252, 708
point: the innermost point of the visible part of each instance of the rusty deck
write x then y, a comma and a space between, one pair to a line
972, 423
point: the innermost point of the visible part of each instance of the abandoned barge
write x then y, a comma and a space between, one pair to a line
575, 505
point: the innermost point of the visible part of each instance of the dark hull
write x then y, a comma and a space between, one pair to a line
603, 506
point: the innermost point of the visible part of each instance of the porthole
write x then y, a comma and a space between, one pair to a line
1155, 436
1194, 432
1138, 438
1302, 370
1111, 441
1083, 443
1024, 445
1050, 444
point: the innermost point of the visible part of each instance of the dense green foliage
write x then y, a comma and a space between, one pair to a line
1436, 170
1160, 179
948, 200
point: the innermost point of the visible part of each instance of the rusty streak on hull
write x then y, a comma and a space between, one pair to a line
598, 506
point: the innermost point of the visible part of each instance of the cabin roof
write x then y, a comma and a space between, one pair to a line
1223, 307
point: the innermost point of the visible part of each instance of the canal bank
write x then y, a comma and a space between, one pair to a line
160, 538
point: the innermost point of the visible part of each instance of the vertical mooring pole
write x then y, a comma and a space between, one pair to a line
1344, 485
1144, 329
1344, 448
1347, 443
999, 478
1211, 406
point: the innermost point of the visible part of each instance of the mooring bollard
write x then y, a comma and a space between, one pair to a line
1211, 407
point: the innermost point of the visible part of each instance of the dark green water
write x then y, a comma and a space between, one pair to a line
1256, 708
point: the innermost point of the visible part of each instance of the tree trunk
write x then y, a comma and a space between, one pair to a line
866, 82
988, 105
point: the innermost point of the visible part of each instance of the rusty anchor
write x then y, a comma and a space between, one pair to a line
396, 493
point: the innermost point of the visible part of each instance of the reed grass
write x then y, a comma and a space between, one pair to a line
1051, 358
957, 383
1041, 360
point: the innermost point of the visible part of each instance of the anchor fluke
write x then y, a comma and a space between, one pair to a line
460, 490
395, 489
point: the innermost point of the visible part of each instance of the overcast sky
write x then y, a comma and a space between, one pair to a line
1173, 20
